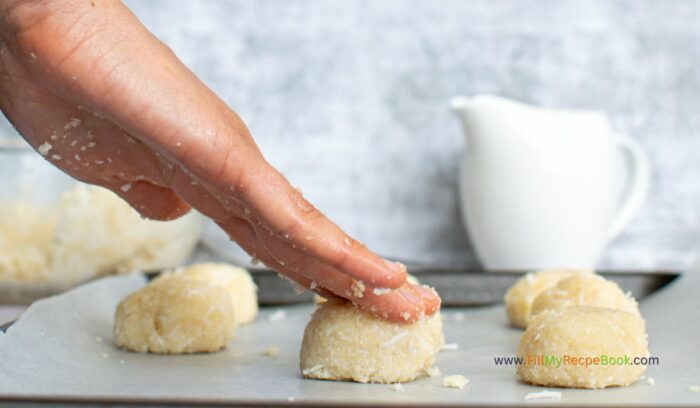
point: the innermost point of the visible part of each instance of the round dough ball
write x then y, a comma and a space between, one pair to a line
584, 290
343, 342
519, 297
237, 282
578, 333
175, 316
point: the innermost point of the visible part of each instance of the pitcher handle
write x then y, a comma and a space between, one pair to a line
640, 172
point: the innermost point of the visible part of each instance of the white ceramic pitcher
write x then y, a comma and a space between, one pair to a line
541, 188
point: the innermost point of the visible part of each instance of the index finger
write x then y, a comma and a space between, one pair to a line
283, 210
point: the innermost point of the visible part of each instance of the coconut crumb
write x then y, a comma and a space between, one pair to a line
313, 285
394, 339
455, 381
550, 395
449, 347
346, 240
56, 157
271, 351
381, 291
31, 54
405, 315
651, 381
125, 187
308, 371
358, 288
73, 123
44, 148
298, 289
433, 371
279, 314
396, 387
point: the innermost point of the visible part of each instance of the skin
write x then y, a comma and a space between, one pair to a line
116, 108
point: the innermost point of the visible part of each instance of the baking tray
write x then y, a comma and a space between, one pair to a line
464, 287
43, 355
457, 287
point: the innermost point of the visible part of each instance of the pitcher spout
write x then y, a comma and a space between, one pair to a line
462, 107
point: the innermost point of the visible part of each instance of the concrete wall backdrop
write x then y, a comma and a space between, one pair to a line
349, 100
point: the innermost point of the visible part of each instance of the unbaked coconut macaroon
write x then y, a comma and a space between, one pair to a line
582, 336
343, 342
520, 296
175, 316
236, 281
584, 290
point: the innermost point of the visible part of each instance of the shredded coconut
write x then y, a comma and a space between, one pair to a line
449, 347
271, 351
125, 187
553, 395
396, 387
279, 314
455, 381
73, 123
433, 371
44, 148
308, 371
394, 339
56, 157
358, 288
381, 291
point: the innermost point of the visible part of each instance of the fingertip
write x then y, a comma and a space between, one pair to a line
431, 299
395, 276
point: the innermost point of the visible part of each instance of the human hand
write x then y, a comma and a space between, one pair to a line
101, 98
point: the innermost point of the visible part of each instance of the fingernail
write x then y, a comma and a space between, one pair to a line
430, 298
411, 296
395, 267
426, 292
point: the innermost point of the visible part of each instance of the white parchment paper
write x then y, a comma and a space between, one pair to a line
63, 347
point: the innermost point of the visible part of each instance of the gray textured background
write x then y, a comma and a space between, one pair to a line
349, 100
